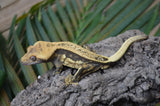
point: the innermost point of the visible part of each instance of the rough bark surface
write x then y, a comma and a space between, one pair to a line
134, 80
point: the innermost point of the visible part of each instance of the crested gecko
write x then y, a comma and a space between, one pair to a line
73, 56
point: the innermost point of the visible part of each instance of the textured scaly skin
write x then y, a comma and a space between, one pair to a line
74, 56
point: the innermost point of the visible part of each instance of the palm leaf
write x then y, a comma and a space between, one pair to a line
49, 27
13, 80
65, 20
41, 30
4, 99
124, 19
2, 71
57, 24
71, 15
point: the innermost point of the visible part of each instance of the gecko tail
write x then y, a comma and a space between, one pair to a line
125, 46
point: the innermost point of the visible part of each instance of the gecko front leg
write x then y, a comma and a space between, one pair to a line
58, 63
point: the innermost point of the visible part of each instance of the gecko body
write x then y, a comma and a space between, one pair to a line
74, 56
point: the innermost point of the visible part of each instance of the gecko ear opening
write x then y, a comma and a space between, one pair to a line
33, 58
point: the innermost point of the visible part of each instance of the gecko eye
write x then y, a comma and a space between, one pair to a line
33, 58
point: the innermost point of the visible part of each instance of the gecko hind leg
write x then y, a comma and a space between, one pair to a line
92, 70
73, 79
81, 72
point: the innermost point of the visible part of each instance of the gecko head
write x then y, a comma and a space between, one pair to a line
31, 56
37, 53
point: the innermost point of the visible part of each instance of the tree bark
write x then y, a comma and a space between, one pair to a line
134, 80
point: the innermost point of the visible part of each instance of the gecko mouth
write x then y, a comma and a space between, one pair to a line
31, 63
25, 63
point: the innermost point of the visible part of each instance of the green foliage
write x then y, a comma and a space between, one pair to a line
2, 71
77, 22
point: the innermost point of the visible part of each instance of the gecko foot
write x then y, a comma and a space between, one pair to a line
70, 80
